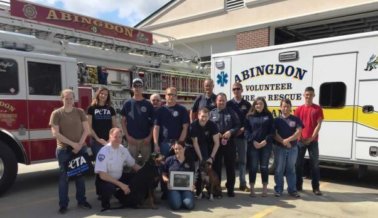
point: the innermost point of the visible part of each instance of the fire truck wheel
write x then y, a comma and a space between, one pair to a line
8, 167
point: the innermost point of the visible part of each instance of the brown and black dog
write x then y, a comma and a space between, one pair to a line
142, 185
210, 180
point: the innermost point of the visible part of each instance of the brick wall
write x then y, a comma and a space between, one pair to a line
252, 39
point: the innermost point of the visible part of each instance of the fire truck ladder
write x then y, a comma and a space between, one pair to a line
161, 64
62, 37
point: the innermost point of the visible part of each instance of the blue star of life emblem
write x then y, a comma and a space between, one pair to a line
222, 78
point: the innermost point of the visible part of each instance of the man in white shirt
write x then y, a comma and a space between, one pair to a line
109, 166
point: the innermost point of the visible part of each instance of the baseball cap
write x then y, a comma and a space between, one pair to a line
138, 80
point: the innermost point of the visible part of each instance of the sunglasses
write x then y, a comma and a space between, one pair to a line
171, 94
137, 86
234, 89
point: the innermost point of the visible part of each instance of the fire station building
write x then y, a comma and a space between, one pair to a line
215, 26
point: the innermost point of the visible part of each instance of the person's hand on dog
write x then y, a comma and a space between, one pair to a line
210, 160
125, 188
227, 135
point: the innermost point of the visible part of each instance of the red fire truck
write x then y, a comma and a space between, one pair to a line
44, 50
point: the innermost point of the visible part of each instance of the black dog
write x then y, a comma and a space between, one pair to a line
142, 184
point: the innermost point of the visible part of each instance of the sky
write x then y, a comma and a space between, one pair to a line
125, 12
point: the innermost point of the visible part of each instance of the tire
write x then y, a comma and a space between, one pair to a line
8, 167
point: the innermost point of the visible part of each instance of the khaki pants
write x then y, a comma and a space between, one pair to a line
139, 148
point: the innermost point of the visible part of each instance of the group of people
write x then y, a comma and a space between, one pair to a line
216, 130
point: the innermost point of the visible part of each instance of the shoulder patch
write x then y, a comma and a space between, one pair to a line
101, 157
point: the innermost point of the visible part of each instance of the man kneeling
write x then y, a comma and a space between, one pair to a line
109, 166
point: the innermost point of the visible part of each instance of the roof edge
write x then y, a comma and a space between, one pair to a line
162, 8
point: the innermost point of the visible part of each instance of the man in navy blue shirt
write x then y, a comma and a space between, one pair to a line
205, 100
228, 125
241, 107
137, 122
205, 137
288, 129
171, 124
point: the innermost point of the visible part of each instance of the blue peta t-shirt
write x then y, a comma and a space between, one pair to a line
170, 121
139, 117
286, 127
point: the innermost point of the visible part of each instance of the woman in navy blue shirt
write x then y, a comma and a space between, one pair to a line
259, 134
179, 162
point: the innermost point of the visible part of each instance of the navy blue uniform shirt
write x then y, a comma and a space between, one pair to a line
286, 127
241, 108
203, 101
226, 120
139, 117
204, 134
173, 164
170, 120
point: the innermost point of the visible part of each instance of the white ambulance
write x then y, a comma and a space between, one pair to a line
344, 73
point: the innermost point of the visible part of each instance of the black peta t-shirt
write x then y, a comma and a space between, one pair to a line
204, 134
102, 120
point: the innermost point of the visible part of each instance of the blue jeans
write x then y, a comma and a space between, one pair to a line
313, 152
259, 157
178, 199
284, 159
63, 156
241, 149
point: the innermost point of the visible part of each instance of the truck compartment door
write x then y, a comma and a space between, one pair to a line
334, 77
367, 112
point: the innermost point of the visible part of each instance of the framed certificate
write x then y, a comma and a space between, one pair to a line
181, 180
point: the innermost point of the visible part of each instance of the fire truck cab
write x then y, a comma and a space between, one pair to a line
29, 91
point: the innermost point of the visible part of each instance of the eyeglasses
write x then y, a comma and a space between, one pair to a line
234, 89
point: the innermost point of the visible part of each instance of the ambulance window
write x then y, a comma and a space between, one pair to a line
44, 78
332, 94
9, 77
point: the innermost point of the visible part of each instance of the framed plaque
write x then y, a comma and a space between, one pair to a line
181, 180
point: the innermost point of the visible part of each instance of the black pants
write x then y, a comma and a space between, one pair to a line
107, 189
228, 153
